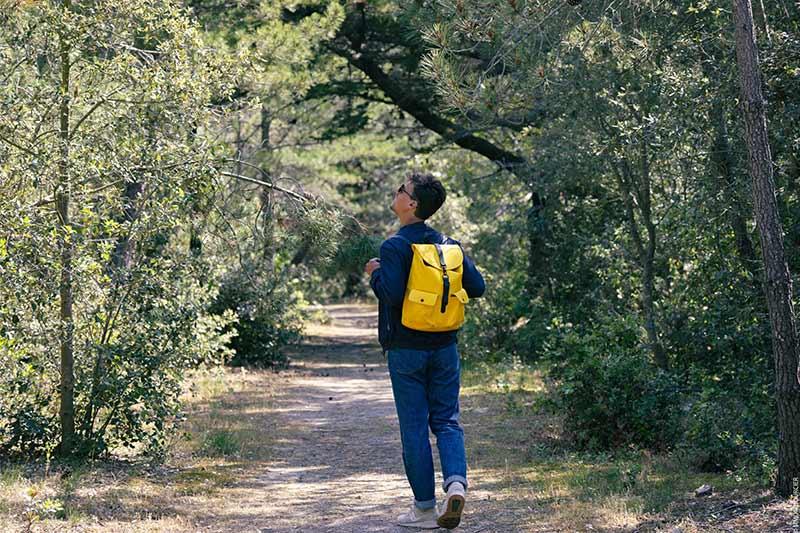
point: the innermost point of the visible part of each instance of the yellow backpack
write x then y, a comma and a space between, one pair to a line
434, 298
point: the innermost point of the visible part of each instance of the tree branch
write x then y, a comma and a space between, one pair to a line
266, 184
412, 104
92, 110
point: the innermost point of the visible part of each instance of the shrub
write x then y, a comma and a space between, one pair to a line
268, 318
611, 393
723, 432
127, 388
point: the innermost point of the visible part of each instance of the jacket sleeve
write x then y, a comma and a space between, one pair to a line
472, 281
389, 281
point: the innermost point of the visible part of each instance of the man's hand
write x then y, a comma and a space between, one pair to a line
371, 265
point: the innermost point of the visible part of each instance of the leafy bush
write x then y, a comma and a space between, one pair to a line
268, 319
134, 384
723, 432
487, 334
347, 264
610, 392
27, 422
127, 387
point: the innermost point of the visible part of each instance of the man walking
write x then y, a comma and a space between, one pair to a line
424, 366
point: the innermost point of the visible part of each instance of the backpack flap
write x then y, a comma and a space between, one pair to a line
453, 255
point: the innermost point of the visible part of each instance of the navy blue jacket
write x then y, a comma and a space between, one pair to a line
389, 284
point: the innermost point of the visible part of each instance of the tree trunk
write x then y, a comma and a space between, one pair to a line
633, 187
761, 16
722, 159
642, 191
65, 244
536, 246
195, 242
195, 233
630, 189
267, 197
239, 142
778, 286
122, 258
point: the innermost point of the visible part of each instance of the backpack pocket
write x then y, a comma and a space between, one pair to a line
462, 296
422, 297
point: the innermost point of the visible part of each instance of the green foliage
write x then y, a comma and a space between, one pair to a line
277, 52
723, 432
353, 253
27, 424
133, 393
346, 121
624, 112
610, 393
267, 317
220, 443
167, 332
43, 509
484, 334
140, 79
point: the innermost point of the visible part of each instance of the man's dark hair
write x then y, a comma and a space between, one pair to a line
429, 193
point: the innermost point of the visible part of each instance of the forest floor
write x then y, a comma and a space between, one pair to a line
316, 448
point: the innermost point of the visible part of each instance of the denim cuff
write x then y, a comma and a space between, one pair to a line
452, 478
429, 504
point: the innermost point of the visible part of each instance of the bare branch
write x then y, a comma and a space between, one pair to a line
77, 195
92, 110
266, 184
18, 146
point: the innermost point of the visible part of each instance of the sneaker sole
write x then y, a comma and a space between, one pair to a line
451, 516
420, 525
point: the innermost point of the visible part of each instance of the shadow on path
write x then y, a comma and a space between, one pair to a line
338, 461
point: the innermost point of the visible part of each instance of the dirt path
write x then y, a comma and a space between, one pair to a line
338, 464
317, 449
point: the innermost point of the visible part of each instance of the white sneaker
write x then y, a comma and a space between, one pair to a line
453, 506
418, 518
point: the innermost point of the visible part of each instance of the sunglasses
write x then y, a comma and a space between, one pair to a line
402, 188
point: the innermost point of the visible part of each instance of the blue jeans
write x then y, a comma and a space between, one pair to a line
426, 384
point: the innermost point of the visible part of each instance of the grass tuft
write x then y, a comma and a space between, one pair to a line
220, 443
